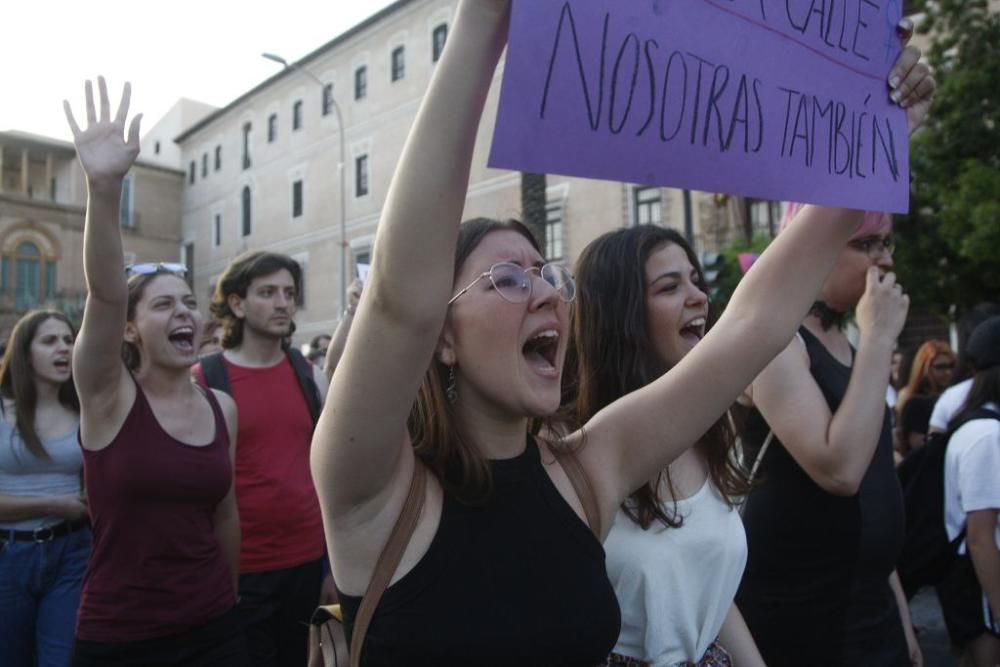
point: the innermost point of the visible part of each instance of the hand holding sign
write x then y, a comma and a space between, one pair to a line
781, 100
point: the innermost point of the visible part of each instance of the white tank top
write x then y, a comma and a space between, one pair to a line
676, 585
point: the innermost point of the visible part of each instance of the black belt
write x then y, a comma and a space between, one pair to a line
45, 533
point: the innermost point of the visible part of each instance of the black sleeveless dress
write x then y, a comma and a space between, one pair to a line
519, 581
815, 590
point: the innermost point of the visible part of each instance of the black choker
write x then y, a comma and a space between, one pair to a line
828, 317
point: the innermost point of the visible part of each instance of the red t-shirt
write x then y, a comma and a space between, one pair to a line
279, 513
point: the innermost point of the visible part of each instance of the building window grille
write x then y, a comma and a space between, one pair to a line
647, 205
554, 231
361, 83
297, 199
246, 145
361, 176
327, 99
398, 63
272, 128
438, 38
246, 210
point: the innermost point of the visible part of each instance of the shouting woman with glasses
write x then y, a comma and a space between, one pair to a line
455, 356
825, 521
157, 449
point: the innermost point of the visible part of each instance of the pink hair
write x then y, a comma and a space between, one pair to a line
873, 224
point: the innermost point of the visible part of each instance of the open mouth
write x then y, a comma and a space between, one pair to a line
542, 350
61, 364
694, 330
182, 338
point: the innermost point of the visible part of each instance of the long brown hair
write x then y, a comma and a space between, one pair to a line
17, 378
437, 437
613, 354
985, 389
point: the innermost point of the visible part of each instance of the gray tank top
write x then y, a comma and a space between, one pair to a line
24, 474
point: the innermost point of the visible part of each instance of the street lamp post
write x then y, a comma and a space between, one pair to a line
340, 170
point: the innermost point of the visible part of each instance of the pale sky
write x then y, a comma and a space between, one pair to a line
207, 50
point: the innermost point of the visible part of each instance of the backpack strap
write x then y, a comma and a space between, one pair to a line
213, 369
307, 383
581, 484
389, 559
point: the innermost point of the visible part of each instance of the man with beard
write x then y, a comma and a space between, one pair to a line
278, 395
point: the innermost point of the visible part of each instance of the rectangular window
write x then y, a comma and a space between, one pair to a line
156, 148
204, 165
218, 158
554, 232
52, 189
438, 38
246, 145
217, 230
297, 199
361, 176
398, 63
361, 83
189, 262
4, 274
297, 115
125, 205
192, 169
272, 128
50, 281
327, 98
247, 216
647, 206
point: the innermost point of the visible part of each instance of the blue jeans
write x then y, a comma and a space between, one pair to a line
39, 596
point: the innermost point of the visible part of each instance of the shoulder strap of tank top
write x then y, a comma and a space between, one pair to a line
220, 419
581, 484
389, 559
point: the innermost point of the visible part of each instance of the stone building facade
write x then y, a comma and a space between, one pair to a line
264, 171
42, 205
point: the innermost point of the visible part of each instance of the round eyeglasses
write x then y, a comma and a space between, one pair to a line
874, 246
513, 283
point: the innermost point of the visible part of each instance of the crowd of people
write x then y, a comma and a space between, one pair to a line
613, 473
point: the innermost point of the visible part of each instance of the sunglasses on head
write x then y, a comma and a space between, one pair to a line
156, 267
513, 283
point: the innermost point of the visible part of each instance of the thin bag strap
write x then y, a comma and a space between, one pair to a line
584, 490
389, 559
760, 455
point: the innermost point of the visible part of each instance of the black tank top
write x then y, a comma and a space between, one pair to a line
815, 590
518, 581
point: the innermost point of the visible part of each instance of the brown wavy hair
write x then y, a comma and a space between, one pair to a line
17, 378
236, 279
438, 439
613, 354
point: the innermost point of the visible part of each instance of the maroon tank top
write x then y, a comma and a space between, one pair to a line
156, 568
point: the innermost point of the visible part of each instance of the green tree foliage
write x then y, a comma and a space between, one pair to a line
949, 245
725, 274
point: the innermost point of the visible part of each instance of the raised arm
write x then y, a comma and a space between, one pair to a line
836, 449
106, 156
644, 431
359, 445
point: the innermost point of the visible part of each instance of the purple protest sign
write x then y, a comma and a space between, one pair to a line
775, 99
